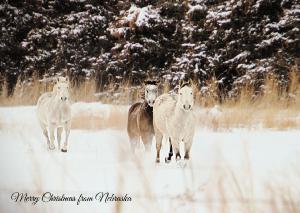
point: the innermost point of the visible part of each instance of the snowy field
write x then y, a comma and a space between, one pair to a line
237, 170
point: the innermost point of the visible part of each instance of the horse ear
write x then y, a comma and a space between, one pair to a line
148, 82
180, 83
191, 83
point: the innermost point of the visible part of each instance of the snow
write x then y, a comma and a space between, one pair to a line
98, 18
188, 45
246, 66
239, 57
133, 46
118, 32
258, 4
275, 37
218, 15
100, 161
142, 16
196, 8
145, 15
77, 0
132, 13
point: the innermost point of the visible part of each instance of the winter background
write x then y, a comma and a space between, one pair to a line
245, 156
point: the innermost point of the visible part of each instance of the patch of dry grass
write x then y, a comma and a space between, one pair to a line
115, 119
279, 119
28, 92
271, 108
25, 93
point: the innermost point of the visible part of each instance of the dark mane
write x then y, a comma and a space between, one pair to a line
185, 84
151, 82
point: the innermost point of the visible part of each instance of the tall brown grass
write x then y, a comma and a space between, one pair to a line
27, 92
116, 119
271, 107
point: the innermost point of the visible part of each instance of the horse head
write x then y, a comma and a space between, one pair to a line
151, 92
61, 88
185, 95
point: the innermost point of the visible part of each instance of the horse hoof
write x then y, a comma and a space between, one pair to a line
182, 163
51, 147
157, 161
167, 160
64, 150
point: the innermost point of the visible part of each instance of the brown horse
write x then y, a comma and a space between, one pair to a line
140, 118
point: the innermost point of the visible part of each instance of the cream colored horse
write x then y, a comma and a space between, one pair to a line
54, 111
173, 118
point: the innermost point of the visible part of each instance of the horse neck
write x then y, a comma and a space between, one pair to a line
148, 108
179, 113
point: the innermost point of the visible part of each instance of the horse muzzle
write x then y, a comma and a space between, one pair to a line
63, 98
187, 107
151, 103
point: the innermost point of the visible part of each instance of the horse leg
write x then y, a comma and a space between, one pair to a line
187, 148
168, 159
147, 140
52, 138
134, 140
158, 139
45, 132
175, 146
59, 131
67, 132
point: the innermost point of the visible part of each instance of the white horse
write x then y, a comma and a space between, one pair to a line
173, 118
54, 111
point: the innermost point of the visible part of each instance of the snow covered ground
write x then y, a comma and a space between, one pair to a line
238, 170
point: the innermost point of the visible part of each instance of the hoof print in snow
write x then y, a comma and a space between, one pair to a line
182, 163
167, 160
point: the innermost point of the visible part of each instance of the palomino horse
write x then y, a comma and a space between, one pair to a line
140, 118
173, 117
54, 111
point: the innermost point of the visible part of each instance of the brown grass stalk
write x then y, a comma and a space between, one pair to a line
271, 107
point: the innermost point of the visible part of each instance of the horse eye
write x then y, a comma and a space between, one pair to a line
191, 93
180, 93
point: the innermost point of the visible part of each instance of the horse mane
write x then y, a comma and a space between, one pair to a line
151, 82
185, 84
